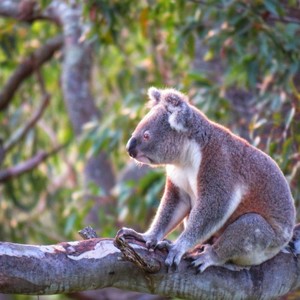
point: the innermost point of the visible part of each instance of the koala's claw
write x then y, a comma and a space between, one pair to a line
151, 243
174, 256
205, 259
165, 244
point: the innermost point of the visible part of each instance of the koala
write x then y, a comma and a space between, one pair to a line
221, 187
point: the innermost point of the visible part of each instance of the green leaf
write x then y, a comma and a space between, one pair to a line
200, 78
69, 226
289, 118
273, 7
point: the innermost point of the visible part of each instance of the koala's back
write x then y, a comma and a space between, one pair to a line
265, 189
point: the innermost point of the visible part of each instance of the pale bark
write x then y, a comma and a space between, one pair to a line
76, 79
95, 263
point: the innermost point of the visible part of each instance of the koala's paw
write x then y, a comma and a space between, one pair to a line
150, 240
164, 244
205, 259
174, 256
128, 232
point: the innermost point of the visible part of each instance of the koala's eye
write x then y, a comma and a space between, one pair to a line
146, 135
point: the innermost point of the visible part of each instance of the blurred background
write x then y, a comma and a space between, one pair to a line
73, 89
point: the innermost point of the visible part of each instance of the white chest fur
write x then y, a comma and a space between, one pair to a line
185, 173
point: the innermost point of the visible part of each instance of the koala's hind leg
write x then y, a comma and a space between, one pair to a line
249, 240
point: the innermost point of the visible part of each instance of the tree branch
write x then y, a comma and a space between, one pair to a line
286, 19
21, 132
27, 165
27, 67
23, 10
95, 263
2, 152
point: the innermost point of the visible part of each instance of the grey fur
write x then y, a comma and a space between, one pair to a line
223, 187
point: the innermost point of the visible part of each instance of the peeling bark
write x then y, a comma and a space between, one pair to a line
95, 263
61, 268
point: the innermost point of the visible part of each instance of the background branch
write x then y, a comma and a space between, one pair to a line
21, 132
27, 67
23, 10
27, 165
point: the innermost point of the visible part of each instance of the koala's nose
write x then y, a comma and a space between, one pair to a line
131, 147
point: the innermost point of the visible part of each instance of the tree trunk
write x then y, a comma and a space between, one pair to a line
76, 79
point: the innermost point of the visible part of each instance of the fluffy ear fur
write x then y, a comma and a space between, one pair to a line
177, 105
154, 95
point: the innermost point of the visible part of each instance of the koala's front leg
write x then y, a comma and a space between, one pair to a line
172, 210
199, 227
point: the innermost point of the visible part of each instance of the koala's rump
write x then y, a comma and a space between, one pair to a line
267, 191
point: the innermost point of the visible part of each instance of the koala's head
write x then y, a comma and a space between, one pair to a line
159, 137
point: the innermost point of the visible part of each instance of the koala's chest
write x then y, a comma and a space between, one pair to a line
185, 179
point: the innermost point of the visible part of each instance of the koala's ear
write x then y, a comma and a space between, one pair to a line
179, 110
174, 99
154, 95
